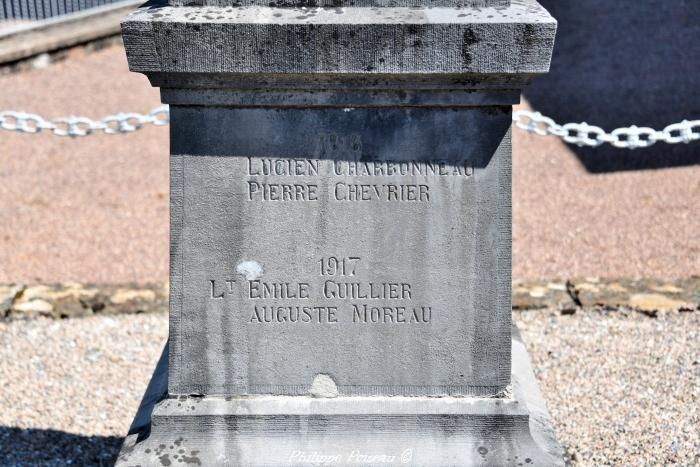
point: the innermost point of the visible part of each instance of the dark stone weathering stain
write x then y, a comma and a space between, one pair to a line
192, 459
469, 39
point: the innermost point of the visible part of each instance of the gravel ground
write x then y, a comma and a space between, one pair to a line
623, 388
70, 388
96, 209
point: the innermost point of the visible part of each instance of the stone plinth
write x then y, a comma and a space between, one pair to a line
340, 232
295, 431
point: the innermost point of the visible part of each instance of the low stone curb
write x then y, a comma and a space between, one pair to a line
73, 300
34, 38
70, 300
644, 295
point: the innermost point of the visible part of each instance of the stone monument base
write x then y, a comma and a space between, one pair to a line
295, 431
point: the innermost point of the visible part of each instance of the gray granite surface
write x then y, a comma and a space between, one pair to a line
345, 3
369, 245
340, 253
396, 40
298, 431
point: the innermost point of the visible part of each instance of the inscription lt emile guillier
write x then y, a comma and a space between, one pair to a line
336, 296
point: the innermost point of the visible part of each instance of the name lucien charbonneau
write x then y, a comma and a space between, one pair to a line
272, 182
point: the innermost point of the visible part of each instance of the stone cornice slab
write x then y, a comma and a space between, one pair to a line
345, 3
355, 41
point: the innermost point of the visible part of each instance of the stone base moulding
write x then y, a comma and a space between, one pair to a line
305, 430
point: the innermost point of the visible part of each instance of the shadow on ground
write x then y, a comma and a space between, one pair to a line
49, 448
621, 63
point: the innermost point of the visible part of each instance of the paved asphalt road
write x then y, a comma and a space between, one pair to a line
96, 209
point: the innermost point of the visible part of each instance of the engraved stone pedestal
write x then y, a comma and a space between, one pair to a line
340, 234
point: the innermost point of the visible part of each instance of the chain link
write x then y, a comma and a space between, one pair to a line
583, 134
23, 122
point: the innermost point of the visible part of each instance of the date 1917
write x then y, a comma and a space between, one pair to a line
334, 266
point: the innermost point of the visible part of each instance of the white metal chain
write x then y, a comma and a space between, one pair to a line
583, 134
23, 122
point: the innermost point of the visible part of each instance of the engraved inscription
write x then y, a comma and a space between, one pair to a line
291, 167
258, 289
338, 289
333, 266
281, 180
316, 301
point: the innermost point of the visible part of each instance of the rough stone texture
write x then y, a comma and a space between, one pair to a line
346, 3
8, 295
238, 55
538, 294
513, 40
339, 246
72, 300
646, 295
447, 316
345, 430
641, 294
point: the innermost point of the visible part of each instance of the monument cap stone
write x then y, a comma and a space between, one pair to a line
255, 40
345, 3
